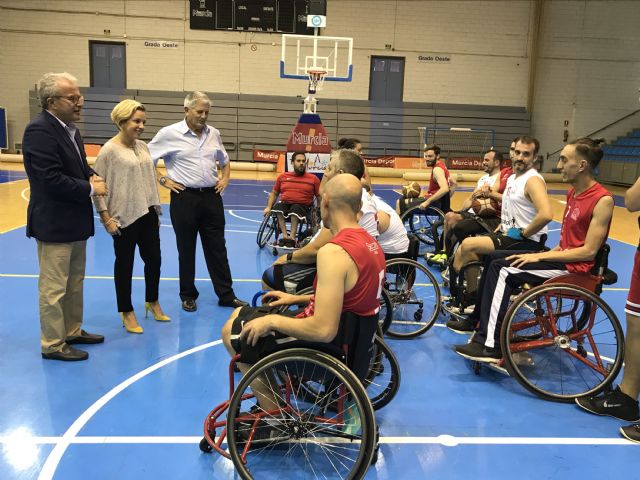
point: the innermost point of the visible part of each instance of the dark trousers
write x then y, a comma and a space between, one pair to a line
196, 212
468, 227
145, 233
498, 281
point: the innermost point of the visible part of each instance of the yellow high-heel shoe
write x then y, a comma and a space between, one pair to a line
160, 318
137, 329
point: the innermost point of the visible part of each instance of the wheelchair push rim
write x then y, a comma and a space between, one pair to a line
570, 345
322, 437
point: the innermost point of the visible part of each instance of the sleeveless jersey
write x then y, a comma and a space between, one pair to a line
365, 252
297, 189
517, 209
486, 181
433, 185
576, 220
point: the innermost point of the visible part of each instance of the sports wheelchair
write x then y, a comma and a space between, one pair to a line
468, 280
413, 293
428, 225
383, 376
269, 228
324, 426
560, 340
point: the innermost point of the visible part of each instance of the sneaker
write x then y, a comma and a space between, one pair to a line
614, 404
478, 352
463, 325
631, 432
430, 255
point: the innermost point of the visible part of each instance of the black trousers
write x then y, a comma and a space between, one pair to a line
468, 227
196, 212
145, 233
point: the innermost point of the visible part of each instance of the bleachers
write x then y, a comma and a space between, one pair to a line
621, 161
265, 122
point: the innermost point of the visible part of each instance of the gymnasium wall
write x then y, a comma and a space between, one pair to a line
587, 69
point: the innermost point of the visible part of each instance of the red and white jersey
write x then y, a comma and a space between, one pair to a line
576, 221
365, 252
433, 185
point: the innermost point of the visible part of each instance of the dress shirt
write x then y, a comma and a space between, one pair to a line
189, 159
71, 130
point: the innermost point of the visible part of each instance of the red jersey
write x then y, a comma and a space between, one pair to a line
505, 173
433, 185
365, 252
297, 189
576, 220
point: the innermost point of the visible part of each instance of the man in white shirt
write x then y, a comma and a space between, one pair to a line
192, 152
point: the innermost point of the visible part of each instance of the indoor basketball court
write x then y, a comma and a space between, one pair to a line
135, 409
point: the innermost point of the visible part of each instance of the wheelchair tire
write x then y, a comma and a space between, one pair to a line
426, 224
415, 298
570, 345
386, 311
383, 380
266, 230
301, 442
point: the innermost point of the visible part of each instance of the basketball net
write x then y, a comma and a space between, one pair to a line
316, 80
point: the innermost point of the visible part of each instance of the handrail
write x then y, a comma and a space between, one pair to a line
599, 130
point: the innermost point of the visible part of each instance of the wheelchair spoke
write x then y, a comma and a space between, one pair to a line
572, 338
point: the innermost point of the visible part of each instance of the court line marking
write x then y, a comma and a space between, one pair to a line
54, 457
231, 212
251, 280
106, 277
445, 439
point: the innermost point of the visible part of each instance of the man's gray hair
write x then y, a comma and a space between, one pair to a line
47, 86
191, 99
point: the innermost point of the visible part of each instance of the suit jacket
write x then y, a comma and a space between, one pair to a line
60, 208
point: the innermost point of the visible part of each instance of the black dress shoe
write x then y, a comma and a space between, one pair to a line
235, 303
189, 305
67, 354
85, 338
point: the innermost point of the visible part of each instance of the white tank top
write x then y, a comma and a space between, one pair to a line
485, 181
394, 239
517, 209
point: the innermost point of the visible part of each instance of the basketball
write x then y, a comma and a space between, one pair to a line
411, 190
484, 207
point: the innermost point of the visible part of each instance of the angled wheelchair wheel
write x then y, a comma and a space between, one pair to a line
386, 311
561, 342
426, 224
415, 298
332, 435
266, 230
383, 379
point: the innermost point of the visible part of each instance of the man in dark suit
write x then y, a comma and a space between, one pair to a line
60, 214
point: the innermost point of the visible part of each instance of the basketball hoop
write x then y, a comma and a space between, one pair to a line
316, 79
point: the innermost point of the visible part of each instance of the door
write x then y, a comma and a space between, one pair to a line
386, 82
108, 64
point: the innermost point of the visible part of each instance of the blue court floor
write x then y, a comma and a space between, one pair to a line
135, 409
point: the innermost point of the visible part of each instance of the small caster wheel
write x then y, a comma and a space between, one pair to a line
204, 446
274, 251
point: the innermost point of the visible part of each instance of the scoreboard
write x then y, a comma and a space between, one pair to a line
275, 16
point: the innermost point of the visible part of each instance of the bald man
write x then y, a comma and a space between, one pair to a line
349, 278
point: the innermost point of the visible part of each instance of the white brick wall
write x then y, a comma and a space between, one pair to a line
587, 72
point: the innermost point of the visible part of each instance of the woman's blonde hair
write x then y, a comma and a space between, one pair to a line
124, 111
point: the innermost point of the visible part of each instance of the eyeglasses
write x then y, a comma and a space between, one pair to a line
75, 99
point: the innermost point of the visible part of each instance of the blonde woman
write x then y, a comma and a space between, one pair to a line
130, 212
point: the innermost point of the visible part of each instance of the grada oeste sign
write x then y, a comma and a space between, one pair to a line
160, 44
